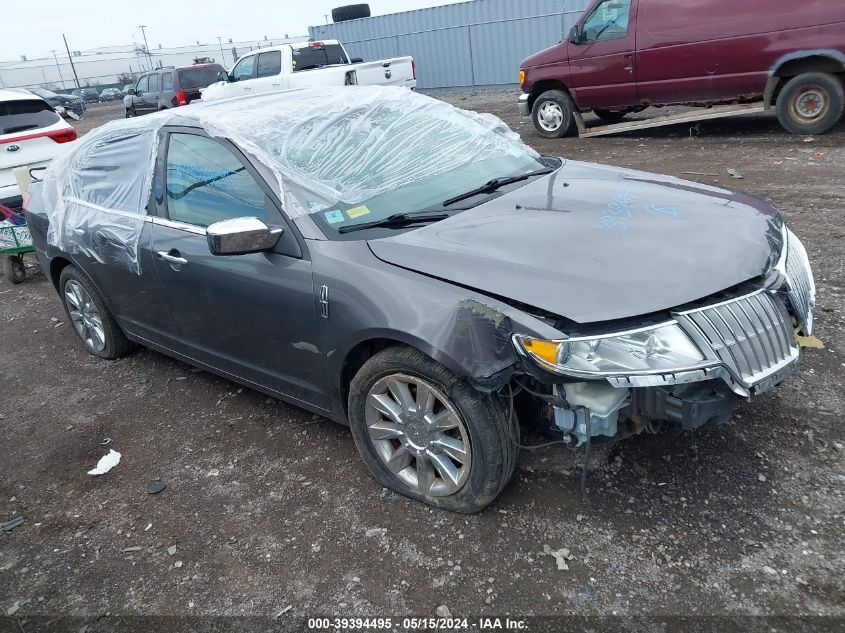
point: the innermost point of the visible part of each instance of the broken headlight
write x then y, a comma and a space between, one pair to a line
656, 349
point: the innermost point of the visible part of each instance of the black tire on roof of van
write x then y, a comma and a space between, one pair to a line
811, 103
351, 12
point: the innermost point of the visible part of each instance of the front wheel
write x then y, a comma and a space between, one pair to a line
129, 113
427, 434
553, 114
811, 103
14, 269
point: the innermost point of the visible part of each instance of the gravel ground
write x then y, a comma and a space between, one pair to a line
269, 508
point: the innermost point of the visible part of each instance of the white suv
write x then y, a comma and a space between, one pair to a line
31, 134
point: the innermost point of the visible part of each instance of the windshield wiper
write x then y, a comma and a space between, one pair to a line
397, 221
497, 183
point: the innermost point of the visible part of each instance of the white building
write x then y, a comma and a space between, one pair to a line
101, 66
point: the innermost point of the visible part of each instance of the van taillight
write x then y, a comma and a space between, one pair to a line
181, 99
62, 136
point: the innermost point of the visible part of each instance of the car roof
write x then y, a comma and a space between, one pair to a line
11, 94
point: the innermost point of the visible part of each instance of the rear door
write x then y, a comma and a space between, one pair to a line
251, 316
601, 65
267, 72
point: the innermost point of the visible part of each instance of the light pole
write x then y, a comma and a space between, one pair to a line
59, 68
147, 46
72, 66
222, 54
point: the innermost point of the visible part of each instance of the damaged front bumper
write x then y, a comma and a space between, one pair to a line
730, 350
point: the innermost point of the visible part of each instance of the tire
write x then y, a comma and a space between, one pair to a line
553, 114
14, 269
351, 12
811, 103
129, 113
111, 342
481, 420
610, 115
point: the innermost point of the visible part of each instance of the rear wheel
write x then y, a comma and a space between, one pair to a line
553, 114
129, 113
811, 103
610, 115
427, 434
90, 317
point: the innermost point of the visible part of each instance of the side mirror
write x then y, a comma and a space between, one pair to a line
356, 60
223, 76
575, 34
131, 91
240, 236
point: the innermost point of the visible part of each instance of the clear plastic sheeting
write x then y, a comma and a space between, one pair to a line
96, 194
325, 146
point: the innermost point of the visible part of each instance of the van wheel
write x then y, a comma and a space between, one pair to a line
811, 103
87, 312
428, 434
553, 114
610, 115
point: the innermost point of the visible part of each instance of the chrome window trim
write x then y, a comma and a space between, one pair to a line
173, 224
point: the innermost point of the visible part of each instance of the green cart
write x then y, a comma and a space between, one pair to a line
15, 241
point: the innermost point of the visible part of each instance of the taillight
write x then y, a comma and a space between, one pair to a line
413, 69
181, 99
62, 136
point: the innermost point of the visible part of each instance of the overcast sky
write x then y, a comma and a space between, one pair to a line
32, 31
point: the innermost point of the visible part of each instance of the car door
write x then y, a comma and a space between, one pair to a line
601, 61
242, 77
151, 97
138, 97
251, 316
267, 70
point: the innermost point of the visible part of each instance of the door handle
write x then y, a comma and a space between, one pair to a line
247, 88
629, 63
176, 260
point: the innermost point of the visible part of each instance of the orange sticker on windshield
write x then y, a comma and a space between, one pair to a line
357, 212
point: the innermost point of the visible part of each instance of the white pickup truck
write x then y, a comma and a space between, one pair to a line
306, 65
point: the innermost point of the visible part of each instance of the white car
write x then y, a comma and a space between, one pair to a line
31, 134
308, 65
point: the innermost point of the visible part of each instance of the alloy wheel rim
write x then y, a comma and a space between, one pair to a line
811, 104
418, 435
550, 116
85, 316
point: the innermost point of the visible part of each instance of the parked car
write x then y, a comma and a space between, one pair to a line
70, 103
309, 64
625, 55
415, 271
31, 133
168, 88
90, 95
111, 94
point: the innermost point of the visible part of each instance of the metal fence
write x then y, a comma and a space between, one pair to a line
477, 43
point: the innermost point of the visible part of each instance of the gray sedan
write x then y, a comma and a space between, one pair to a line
418, 273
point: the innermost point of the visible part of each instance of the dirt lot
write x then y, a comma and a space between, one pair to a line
268, 507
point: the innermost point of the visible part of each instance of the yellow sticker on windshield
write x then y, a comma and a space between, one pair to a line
357, 212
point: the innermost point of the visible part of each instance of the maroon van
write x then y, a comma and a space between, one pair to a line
625, 55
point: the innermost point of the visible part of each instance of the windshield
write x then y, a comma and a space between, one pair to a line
370, 151
44, 94
198, 77
311, 57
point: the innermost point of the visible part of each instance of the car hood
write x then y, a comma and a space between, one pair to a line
593, 243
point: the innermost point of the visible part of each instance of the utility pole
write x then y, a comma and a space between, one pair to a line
222, 54
147, 46
72, 65
59, 68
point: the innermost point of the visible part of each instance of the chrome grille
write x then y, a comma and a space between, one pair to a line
752, 336
801, 289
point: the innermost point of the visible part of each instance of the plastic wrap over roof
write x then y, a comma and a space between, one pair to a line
325, 146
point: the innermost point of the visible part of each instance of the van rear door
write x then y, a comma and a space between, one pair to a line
601, 63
